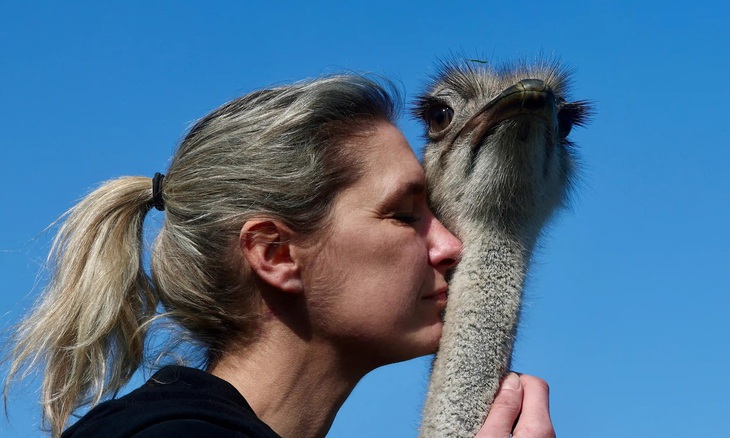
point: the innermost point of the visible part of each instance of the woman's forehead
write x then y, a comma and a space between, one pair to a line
389, 158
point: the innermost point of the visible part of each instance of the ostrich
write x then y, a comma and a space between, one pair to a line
498, 164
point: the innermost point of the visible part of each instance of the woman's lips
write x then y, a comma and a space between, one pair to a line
440, 295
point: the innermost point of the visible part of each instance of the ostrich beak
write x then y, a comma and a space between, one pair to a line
526, 96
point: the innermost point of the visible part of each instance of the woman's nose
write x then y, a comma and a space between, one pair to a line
445, 249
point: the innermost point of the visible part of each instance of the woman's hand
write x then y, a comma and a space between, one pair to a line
521, 408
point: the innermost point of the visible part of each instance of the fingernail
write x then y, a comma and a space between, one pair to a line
512, 381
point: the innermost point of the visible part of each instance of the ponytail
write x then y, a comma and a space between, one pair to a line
88, 329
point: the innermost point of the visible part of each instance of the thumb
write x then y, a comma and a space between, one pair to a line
505, 409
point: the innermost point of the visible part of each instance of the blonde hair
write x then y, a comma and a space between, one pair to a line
281, 152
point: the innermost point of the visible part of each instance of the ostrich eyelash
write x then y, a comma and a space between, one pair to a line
423, 103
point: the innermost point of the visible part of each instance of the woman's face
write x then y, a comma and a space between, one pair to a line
375, 286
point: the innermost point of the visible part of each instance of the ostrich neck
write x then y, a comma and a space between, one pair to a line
478, 335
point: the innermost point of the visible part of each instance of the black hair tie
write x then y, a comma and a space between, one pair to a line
157, 200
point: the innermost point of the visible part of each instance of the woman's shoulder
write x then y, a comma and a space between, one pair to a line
177, 402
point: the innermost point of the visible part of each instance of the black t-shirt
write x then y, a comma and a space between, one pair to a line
176, 402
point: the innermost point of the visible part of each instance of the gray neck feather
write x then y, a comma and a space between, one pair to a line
479, 331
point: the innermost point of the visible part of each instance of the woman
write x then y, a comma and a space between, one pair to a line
297, 250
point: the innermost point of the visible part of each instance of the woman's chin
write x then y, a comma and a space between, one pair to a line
432, 336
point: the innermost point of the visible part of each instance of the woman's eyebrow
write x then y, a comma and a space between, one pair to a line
413, 188
408, 188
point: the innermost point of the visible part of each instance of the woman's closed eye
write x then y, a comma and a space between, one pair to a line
406, 202
406, 218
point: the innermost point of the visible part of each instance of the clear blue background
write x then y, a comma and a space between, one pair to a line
627, 306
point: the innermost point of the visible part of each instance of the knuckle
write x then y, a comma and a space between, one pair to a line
535, 431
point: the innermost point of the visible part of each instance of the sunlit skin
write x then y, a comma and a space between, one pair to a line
366, 291
376, 285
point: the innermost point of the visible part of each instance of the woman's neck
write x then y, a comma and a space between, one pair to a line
294, 385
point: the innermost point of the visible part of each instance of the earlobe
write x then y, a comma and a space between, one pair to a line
267, 246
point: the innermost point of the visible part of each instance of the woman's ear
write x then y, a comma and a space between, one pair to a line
267, 246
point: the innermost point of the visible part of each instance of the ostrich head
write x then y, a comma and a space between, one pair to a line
498, 152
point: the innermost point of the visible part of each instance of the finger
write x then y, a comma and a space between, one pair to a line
535, 417
505, 409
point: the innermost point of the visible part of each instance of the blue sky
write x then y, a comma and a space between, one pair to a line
627, 305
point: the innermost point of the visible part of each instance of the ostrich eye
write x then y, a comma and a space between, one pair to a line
438, 117
573, 114
565, 124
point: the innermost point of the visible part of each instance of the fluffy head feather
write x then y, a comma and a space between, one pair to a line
497, 147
